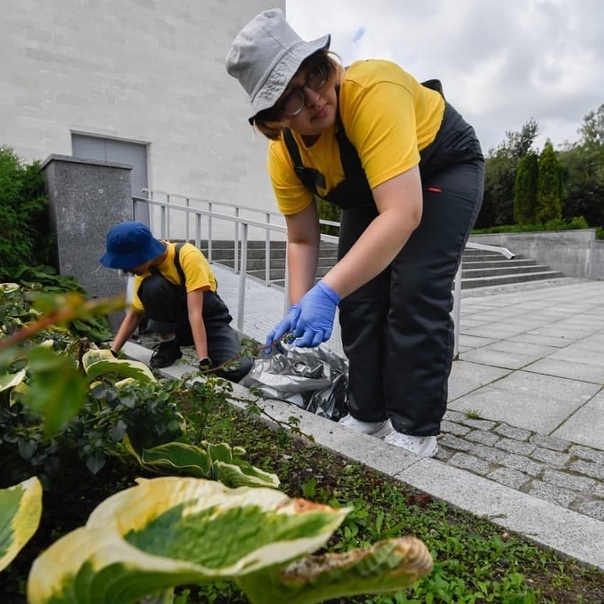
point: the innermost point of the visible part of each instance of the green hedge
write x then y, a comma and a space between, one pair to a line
551, 225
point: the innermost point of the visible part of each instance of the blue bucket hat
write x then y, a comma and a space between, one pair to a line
130, 244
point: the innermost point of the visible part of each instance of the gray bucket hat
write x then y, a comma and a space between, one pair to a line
265, 56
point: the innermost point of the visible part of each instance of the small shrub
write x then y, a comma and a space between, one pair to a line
328, 211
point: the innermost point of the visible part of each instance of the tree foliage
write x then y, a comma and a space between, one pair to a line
570, 179
501, 165
525, 188
583, 164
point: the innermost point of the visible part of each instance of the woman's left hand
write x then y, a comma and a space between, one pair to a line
317, 313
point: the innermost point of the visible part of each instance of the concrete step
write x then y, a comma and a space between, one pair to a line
488, 271
495, 263
511, 278
276, 274
479, 268
479, 282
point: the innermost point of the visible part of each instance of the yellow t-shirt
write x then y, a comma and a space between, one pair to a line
387, 115
195, 267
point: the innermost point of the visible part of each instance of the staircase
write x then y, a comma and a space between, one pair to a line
485, 269
479, 268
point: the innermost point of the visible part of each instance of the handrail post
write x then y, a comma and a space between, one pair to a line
188, 205
457, 310
168, 217
267, 252
162, 222
242, 279
198, 233
286, 283
210, 251
236, 243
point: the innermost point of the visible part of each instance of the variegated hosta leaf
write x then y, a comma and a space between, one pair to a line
241, 473
7, 288
387, 566
96, 566
216, 461
230, 469
20, 511
10, 380
174, 458
19, 393
100, 362
170, 531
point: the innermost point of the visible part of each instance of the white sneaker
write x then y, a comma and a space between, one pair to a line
424, 446
377, 429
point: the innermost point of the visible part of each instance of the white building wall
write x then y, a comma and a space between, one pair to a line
148, 71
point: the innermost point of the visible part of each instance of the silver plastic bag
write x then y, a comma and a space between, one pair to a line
314, 379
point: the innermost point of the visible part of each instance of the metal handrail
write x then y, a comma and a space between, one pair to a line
242, 224
457, 286
210, 205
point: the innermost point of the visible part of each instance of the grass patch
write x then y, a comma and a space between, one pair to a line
475, 560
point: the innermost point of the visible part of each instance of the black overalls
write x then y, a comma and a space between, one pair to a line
397, 329
166, 308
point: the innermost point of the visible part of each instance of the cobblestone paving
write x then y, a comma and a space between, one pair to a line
558, 471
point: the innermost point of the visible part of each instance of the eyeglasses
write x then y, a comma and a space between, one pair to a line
293, 103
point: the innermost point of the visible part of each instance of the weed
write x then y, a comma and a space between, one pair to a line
472, 414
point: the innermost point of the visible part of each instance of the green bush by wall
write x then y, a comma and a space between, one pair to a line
24, 227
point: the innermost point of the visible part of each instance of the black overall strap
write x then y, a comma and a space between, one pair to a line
434, 85
309, 177
183, 279
351, 163
355, 189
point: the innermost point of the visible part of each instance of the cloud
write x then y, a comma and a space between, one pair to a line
358, 35
501, 63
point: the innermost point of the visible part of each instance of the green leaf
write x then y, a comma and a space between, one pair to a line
20, 512
10, 380
177, 458
7, 288
57, 389
101, 362
216, 461
386, 567
95, 462
173, 531
241, 473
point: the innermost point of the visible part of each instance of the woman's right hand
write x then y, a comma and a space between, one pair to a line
284, 326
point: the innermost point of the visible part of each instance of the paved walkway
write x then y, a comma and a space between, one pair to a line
523, 439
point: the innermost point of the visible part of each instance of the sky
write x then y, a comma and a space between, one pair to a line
501, 62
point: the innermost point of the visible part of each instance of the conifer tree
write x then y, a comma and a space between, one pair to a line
549, 190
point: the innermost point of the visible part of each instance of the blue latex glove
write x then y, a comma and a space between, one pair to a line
317, 312
285, 325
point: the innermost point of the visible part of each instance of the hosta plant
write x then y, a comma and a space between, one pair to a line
20, 512
170, 531
213, 461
